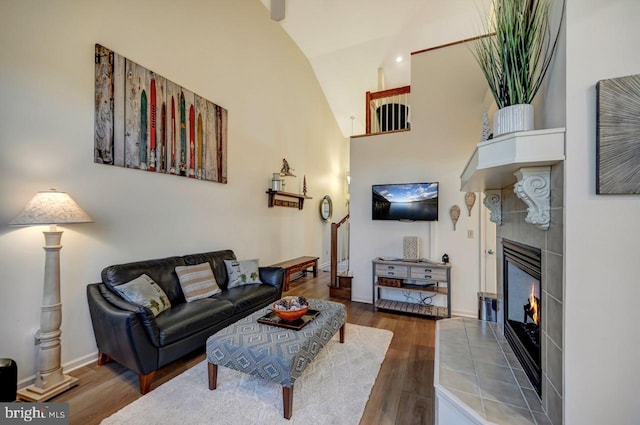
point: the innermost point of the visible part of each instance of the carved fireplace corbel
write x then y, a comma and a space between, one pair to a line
533, 188
493, 202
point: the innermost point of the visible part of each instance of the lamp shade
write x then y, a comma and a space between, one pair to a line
51, 207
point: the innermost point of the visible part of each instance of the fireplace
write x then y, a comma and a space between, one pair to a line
522, 307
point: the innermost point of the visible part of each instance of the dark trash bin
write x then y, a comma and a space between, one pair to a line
8, 380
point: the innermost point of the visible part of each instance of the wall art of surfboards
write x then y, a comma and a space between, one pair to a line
152, 127
163, 138
172, 169
192, 142
143, 130
200, 172
183, 137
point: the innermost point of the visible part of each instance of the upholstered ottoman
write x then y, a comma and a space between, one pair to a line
273, 353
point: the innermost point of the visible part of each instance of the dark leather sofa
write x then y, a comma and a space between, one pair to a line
133, 337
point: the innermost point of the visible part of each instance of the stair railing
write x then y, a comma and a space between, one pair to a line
339, 248
387, 110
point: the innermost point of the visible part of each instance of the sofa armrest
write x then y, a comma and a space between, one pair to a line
273, 276
122, 330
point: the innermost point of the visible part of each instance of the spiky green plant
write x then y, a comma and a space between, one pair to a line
516, 57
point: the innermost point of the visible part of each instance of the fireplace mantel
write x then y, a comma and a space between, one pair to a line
494, 161
523, 158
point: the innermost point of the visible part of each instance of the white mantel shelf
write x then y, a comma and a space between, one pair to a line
494, 162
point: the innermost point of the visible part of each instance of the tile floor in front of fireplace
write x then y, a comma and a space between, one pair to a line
477, 366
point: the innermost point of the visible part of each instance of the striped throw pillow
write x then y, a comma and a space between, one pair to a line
197, 281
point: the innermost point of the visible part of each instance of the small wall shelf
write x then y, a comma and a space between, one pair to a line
297, 203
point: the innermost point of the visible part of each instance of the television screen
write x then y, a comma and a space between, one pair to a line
408, 201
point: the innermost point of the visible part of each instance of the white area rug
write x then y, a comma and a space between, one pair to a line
334, 389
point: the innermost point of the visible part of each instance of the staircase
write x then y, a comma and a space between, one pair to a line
340, 284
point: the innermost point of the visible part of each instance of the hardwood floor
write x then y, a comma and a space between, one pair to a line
402, 394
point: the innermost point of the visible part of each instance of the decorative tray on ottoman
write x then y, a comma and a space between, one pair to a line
273, 320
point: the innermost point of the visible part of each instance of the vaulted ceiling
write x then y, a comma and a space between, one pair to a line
353, 45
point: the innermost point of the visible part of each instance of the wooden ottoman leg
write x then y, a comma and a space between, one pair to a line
342, 334
213, 376
287, 401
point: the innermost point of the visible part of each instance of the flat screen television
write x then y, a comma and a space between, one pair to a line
405, 201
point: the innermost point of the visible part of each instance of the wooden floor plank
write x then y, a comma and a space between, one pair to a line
402, 393
414, 410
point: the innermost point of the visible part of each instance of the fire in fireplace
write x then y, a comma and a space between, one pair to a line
522, 307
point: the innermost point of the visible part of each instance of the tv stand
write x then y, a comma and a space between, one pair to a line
424, 278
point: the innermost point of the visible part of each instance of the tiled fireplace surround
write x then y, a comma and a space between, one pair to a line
550, 242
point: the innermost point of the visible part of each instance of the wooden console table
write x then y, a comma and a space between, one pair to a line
297, 265
419, 277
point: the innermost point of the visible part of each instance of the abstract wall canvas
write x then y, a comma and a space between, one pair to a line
144, 121
618, 136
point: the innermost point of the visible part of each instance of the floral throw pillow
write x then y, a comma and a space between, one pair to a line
244, 272
145, 292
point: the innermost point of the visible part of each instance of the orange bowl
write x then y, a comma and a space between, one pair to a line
288, 315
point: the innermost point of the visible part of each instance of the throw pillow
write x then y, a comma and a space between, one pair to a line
243, 272
197, 281
145, 292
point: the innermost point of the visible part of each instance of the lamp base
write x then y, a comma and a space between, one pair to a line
36, 394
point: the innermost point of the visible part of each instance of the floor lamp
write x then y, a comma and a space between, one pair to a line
50, 207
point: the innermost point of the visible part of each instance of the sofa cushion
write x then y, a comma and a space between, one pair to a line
246, 297
143, 291
162, 271
189, 318
197, 281
216, 260
242, 272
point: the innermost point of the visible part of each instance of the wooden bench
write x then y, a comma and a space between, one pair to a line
297, 265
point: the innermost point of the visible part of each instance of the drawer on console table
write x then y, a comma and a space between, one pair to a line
426, 272
392, 270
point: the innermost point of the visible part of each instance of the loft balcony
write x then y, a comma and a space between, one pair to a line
388, 110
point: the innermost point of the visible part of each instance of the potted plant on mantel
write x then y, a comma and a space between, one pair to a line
515, 58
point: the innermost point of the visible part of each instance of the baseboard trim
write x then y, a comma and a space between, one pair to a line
462, 313
361, 300
67, 367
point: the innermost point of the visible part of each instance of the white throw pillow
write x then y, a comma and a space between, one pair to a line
197, 281
243, 272
145, 292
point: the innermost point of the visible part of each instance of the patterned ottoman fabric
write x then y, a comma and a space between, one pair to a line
273, 353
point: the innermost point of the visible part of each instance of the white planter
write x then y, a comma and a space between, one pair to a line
513, 118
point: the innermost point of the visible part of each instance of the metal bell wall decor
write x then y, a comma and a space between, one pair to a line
454, 212
470, 200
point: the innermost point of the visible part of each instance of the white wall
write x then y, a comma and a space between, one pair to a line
227, 51
447, 93
602, 376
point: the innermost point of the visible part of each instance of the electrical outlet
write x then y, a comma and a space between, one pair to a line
470, 233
